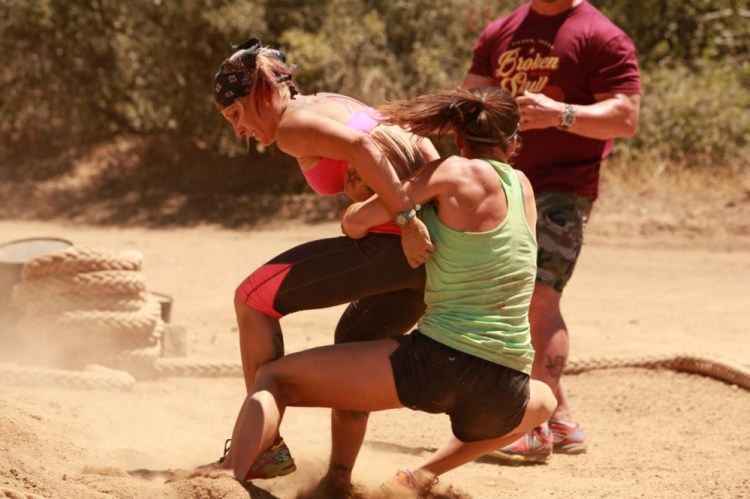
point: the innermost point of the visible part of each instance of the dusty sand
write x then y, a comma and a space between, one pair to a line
652, 433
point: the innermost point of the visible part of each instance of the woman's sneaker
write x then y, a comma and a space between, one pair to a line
534, 447
568, 437
271, 463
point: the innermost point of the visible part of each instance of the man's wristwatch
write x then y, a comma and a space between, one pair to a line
404, 217
567, 117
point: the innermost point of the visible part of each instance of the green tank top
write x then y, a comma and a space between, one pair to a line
479, 284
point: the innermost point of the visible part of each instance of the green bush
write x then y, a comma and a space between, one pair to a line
693, 118
682, 32
80, 72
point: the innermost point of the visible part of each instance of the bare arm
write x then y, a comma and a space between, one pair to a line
304, 133
468, 194
427, 149
612, 116
421, 187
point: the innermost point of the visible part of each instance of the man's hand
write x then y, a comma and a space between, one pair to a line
415, 241
539, 111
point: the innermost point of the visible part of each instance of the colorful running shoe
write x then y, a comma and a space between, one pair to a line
271, 463
568, 437
534, 447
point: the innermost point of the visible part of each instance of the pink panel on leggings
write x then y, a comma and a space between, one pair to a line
259, 289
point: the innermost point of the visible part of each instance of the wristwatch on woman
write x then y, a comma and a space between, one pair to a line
404, 217
567, 117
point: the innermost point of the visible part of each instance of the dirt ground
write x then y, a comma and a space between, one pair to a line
662, 275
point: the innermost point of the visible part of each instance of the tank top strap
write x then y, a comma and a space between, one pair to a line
511, 184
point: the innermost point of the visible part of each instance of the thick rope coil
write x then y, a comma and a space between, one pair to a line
85, 305
92, 379
721, 369
42, 351
43, 330
138, 362
159, 330
112, 322
75, 327
112, 282
57, 304
81, 259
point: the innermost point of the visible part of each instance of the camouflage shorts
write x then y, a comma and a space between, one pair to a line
560, 225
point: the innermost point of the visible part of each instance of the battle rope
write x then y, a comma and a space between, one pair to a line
93, 304
721, 369
151, 368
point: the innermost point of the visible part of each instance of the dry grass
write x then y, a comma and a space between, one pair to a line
712, 208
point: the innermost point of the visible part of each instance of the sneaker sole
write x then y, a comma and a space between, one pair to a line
287, 470
572, 448
517, 458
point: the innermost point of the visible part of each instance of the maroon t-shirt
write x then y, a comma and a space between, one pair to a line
568, 57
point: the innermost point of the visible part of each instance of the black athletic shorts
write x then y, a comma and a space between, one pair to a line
484, 400
385, 295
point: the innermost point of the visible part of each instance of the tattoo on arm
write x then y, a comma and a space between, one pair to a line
352, 178
555, 366
355, 187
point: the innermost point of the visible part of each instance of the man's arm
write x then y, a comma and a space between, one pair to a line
612, 116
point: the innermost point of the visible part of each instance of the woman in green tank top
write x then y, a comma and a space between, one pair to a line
471, 353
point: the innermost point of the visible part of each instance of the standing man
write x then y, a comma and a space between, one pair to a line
575, 76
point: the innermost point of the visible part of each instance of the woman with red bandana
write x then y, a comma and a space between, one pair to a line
340, 145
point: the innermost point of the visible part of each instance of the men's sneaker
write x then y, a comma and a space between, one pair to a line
271, 463
534, 447
568, 437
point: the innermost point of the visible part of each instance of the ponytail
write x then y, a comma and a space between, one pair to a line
484, 116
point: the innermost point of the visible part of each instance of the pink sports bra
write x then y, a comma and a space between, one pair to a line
328, 174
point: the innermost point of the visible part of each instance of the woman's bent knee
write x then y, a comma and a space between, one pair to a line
541, 400
258, 291
266, 379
